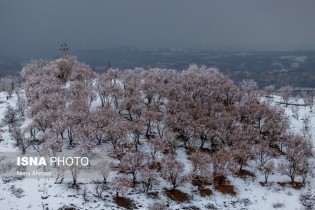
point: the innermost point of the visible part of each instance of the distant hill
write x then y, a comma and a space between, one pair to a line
10, 65
296, 68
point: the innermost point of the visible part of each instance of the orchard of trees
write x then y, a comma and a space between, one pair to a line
145, 117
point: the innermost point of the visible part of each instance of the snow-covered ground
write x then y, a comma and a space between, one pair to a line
43, 193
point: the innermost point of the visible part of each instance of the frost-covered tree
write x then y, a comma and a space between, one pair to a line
104, 169
81, 72
148, 178
201, 166
10, 117
132, 162
108, 87
223, 164
250, 87
116, 133
74, 170
73, 115
120, 185
269, 90
286, 93
295, 109
298, 152
8, 84
22, 141
173, 171
264, 153
52, 145
306, 126
156, 146
309, 99
267, 169
65, 67
21, 105
242, 151
135, 130
171, 142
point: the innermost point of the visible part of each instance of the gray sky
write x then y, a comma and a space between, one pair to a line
29, 27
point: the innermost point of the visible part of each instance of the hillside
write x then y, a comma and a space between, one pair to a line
155, 139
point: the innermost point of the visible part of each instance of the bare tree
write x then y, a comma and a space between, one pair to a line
250, 87
309, 99
21, 105
171, 142
85, 193
60, 175
306, 126
9, 85
132, 162
148, 178
104, 169
65, 68
264, 153
295, 110
10, 117
99, 190
267, 169
288, 169
223, 164
269, 90
298, 152
22, 141
286, 93
74, 170
156, 145
120, 185
173, 171
201, 165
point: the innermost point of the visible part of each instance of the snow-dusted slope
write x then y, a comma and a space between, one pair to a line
43, 193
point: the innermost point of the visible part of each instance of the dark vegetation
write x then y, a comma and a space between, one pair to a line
177, 195
124, 202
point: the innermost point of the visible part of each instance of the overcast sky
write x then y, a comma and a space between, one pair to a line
29, 27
